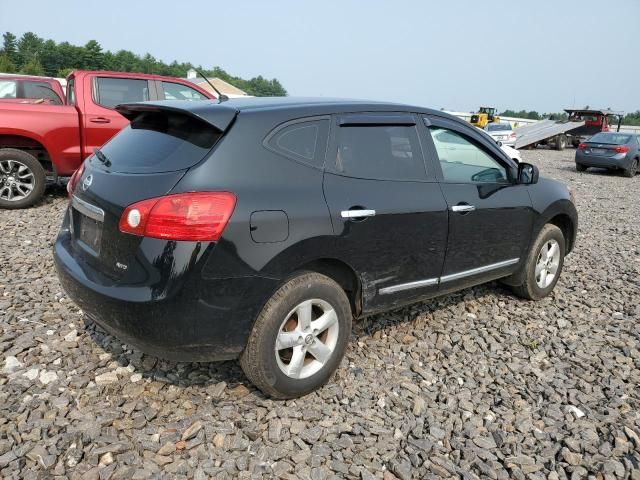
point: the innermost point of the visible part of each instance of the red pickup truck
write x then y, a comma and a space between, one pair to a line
27, 89
40, 140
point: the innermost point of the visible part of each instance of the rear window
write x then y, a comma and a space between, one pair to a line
498, 127
157, 142
41, 90
610, 138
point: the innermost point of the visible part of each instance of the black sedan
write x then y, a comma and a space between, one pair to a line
610, 150
258, 228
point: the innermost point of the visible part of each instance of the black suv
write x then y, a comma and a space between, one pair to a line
257, 228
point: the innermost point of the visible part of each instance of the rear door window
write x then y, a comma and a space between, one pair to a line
157, 142
177, 91
114, 91
8, 89
379, 152
40, 90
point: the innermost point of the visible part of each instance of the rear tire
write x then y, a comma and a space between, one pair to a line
299, 337
580, 167
544, 264
22, 179
561, 142
631, 171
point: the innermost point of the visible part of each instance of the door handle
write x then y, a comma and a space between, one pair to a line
99, 120
463, 208
357, 213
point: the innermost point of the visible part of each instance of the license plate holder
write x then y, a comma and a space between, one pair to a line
597, 151
89, 232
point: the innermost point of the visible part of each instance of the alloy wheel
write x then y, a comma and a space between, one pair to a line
547, 264
307, 338
17, 181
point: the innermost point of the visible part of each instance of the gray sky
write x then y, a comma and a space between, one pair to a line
541, 55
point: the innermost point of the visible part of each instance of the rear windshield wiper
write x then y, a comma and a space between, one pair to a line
102, 157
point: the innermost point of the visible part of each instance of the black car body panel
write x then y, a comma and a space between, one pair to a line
198, 300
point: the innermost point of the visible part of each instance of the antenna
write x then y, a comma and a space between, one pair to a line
221, 97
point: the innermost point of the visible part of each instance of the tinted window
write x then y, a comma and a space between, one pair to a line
464, 162
158, 142
40, 90
301, 141
177, 91
611, 138
380, 152
113, 91
8, 88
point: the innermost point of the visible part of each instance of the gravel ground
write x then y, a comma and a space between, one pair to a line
478, 384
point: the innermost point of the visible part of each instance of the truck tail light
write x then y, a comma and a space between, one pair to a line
582, 146
621, 149
513, 135
193, 216
75, 178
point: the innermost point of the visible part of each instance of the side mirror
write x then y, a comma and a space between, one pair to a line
499, 143
528, 174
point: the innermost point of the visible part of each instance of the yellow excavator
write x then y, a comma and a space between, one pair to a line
485, 115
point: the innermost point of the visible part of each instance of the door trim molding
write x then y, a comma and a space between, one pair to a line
406, 286
447, 278
475, 271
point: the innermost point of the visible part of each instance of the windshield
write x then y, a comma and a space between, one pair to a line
610, 138
498, 127
157, 142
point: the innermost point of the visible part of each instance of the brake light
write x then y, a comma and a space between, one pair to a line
193, 216
621, 149
582, 146
513, 135
75, 178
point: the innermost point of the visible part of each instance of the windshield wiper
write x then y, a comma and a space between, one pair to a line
102, 157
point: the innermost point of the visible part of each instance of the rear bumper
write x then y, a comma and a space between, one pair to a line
202, 319
615, 161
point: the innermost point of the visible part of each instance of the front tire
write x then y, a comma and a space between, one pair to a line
633, 168
544, 264
22, 179
299, 337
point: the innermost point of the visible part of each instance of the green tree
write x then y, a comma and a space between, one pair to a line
29, 47
6, 65
32, 67
10, 46
63, 72
93, 58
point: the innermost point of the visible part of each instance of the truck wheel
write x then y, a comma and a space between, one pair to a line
299, 337
544, 264
22, 179
561, 142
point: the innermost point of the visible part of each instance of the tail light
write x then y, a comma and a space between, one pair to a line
193, 216
513, 135
582, 146
75, 178
621, 149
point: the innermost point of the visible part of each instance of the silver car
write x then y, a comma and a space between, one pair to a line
502, 132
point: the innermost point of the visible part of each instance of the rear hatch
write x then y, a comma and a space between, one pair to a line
145, 160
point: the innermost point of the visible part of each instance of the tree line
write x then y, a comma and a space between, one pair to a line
32, 55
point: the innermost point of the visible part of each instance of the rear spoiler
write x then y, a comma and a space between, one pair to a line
217, 115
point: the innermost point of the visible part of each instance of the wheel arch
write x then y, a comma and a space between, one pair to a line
565, 223
340, 272
29, 144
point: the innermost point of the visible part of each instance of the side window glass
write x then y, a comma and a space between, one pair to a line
386, 152
113, 91
41, 90
177, 91
71, 92
301, 141
464, 162
8, 89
